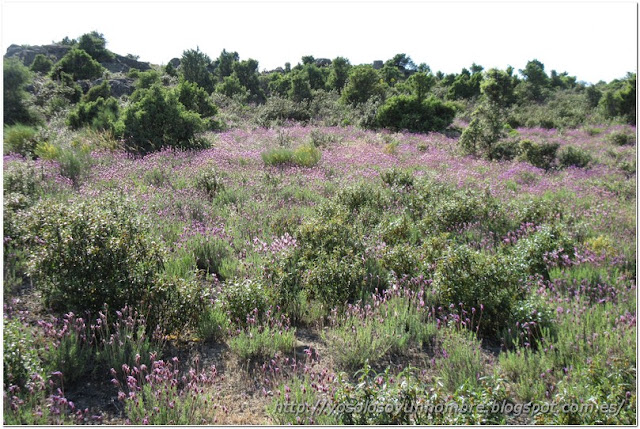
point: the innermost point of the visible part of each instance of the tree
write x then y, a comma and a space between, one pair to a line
362, 84
338, 74
619, 100
231, 87
247, 73
420, 84
195, 68
78, 64
300, 88
16, 77
95, 44
535, 84
224, 64
497, 87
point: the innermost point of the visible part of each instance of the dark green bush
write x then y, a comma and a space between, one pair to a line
100, 114
78, 64
504, 150
20, 139
88, 254
195, 67
41, 64
621, 138
159, 120
15, 99
94, 44
103, 90
336, 278
362, 84
232, 88
541, 155
196, 99
408, 112
570, 156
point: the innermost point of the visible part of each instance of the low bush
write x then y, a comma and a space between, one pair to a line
570, 156
621, 138
243, 298
279, 110
21, 139
41, 64
541, 155
483, 284
410, 113
20, 357
100, 114
88, 254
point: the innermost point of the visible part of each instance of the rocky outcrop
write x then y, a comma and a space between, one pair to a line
27, 54
122, 64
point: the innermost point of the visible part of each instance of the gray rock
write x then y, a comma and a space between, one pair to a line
28, 53
119, 87
175, 62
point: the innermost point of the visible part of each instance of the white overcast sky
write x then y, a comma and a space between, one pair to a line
591, 40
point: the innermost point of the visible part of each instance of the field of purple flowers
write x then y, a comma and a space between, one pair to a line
284, 274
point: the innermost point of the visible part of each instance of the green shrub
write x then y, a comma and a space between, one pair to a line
279, 110
15, 99
194, 67
20, 357
410, 113
210, 182
570, 156
363, 83
20, 139
541, 155
196, 99
539, 250
336, 279
306, 155
277, 156
504, 150
241, 298
100, 114
78, 64
173, 303
94, 44
621, 138
159, 120
213, 324
530, 320
470, 278
41, 64
88, 254
103, 90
